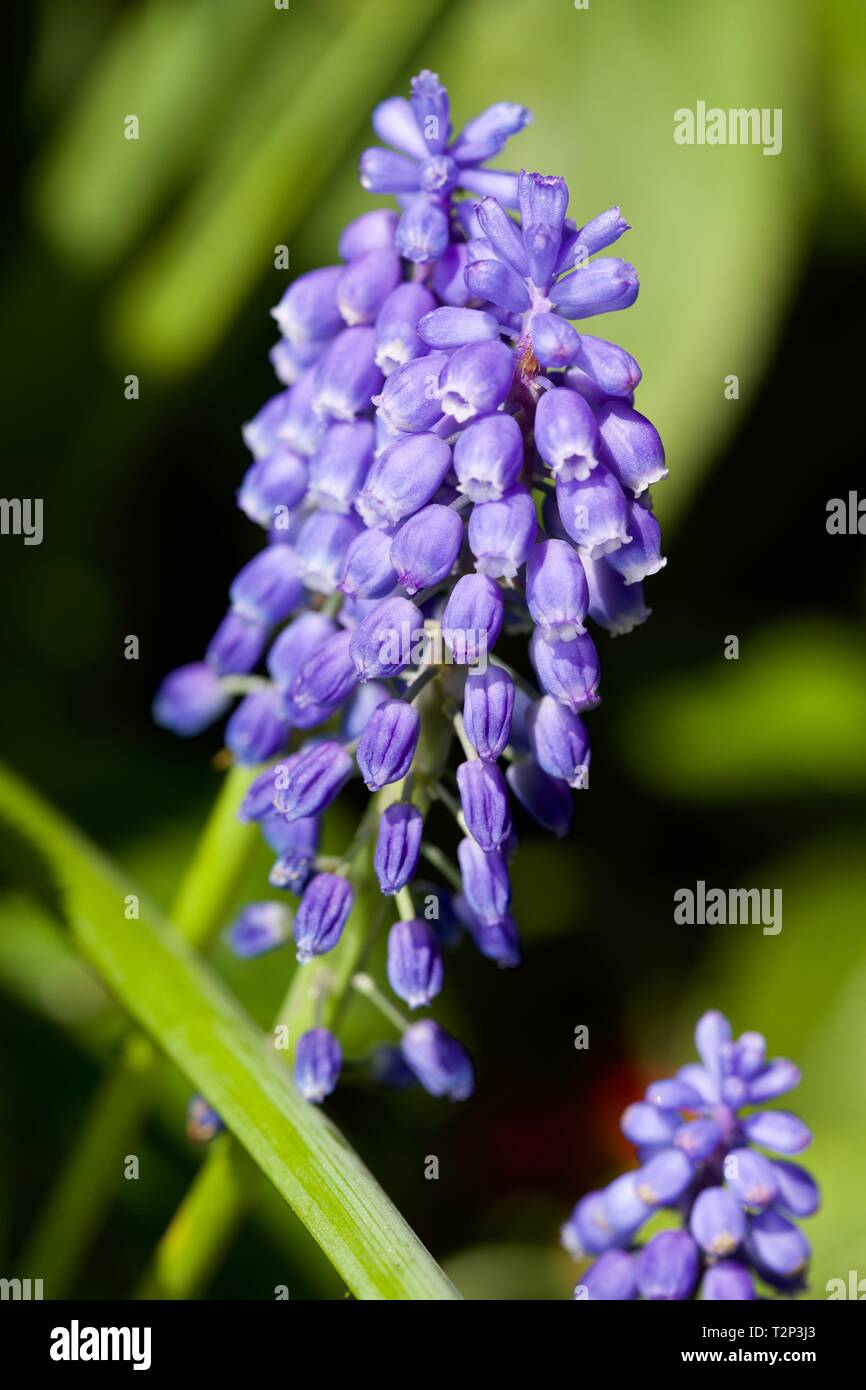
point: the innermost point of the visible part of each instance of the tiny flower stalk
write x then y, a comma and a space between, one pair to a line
449, 464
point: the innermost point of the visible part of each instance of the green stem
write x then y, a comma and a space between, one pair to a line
434, 855
405, 905
367, 986
76, 1206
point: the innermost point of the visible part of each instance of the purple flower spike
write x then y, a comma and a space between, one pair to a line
421, 381
425, 548
321, 916
387, 745
269, 587
415, 970
311, 779
488, 705
189, 700
382, 643
727, 1282
546, 799
440, 1062
308, 311
556, 591
612, 1277
397, 338
560, 742
398, 846
594, 513
630, 446
318, 1062
260, 927
273, 486
566, 433
501, 534
569, 671
367, 569
484, 799
488, 457
485, 881
403, 478
258, 728
667, 1266
365, 284
475, 380
454, 328
472, 620
730, 1200
340, 465
598, 288
237, 645
347, 376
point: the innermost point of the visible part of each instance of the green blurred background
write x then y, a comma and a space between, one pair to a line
155, 257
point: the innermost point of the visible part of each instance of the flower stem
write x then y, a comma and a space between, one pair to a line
368, 987
434, 855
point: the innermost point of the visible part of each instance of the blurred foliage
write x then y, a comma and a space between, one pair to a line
156, 256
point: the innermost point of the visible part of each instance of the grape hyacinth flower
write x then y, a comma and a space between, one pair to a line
451, 481
700, 1138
